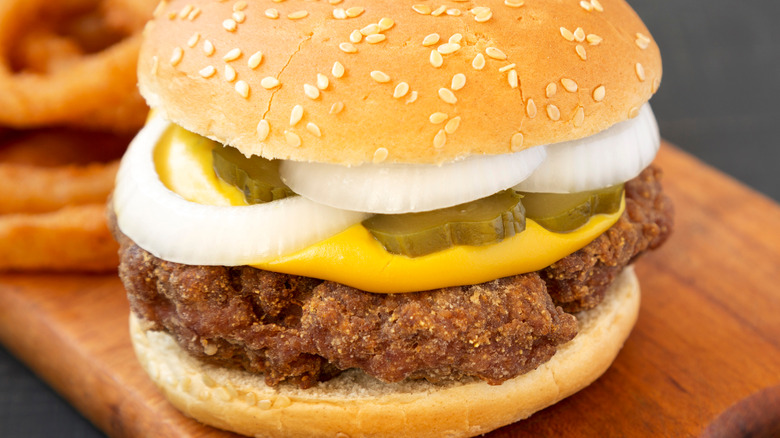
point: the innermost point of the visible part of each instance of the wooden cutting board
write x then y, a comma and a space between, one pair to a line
708, 334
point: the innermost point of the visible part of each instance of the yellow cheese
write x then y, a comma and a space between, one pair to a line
353, 257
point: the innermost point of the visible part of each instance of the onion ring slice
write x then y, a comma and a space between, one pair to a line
405, 188
177, 230
610, 157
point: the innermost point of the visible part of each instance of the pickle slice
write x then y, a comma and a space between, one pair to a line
257, 177
562, 212
481, 222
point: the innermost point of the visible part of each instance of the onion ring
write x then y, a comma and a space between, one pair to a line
96, 90
74, 238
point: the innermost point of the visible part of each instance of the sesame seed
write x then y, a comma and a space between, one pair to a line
458, 81
380, 155
530, 108
551, 90
438, 117
453, 12
483, 16
455, 38
599, 93
240, 5
385, 24
495, 53
230, 73
514, 3
194, 14
593, 39
337, 107
354, 12
448, 96
586, 5
208, 48
322, 81
255, 60
314, 129
566, 34
155, 65
272, 13
512, 78
293, 139
239, 16
311, 91
506, 68
193, 41
401, 90
452, 125
422, 9
376, 38
177, 56
596, 5
335, 2
269, 82
356, 36
347, 48
440, 139
633, 112
263, 129
553, 112
579, 34
186, 11
230, 25
656, 84
208, 71
642, 40
379, 76
569, 85
581, 52
448, 48
371, 29
438, 11
339, 14
579, 117
338, 70
640, 72
516, 142
232, 55
242, 88
297, 15
412, 97
479, 62
430, 39
436, 59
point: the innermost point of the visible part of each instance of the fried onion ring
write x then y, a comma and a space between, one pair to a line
70, 239
32, 189
50, 83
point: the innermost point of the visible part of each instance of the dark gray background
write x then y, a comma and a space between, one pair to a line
719, 100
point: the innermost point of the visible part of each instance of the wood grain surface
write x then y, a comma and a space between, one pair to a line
708, 334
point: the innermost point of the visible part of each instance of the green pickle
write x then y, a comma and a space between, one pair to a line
257, 177
563, 212
481, 222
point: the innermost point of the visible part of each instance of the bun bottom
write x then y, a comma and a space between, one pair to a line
356, 405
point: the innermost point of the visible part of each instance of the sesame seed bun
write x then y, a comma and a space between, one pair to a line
355, 405
393, 81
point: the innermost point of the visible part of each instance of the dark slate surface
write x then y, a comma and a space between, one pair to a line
719, 100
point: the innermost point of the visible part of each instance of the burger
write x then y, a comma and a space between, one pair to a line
387, 218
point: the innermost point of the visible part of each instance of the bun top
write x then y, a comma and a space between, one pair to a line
351, 81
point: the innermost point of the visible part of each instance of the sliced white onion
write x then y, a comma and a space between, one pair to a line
177, 230
404, 188
610, 157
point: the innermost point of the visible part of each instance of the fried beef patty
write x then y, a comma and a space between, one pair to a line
303, 330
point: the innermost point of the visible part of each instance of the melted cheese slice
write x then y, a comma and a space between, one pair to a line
353, 257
